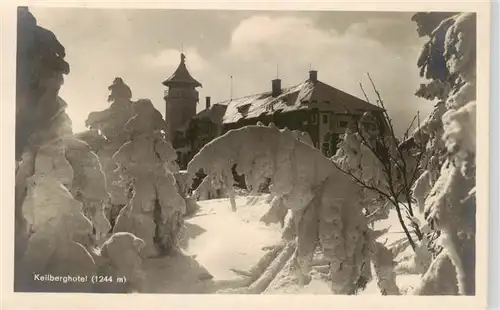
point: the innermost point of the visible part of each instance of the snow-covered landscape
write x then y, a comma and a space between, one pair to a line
212, 254
259, 208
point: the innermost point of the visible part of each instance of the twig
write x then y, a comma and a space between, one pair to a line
404, 170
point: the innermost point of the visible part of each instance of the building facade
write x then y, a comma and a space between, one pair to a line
321, 110
314, 107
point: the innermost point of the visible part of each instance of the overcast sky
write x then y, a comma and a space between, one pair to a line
143, 47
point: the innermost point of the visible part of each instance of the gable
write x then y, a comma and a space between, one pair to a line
329, 98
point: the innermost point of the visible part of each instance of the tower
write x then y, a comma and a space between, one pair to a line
180, 98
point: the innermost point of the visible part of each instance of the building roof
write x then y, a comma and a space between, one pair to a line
215, 113
182, 75
304, 96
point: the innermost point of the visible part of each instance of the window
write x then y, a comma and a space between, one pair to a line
314, 119
326, 149
334, 141
325, 119
243, 109
343, 124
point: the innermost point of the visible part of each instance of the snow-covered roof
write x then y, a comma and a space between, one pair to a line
182, 75
215, 113
304, 96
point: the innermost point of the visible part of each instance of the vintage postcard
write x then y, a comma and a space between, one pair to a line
245, 155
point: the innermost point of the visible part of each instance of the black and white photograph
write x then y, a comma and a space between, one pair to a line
247, 151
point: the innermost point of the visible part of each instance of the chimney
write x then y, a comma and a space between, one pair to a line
276, 87
207, 102
313, 75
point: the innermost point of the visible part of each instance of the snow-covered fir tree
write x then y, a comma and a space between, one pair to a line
447, 191
60, 186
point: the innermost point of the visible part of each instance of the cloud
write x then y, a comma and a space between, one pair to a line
261, 37
168, 59
375, 28
295, 43
251, 47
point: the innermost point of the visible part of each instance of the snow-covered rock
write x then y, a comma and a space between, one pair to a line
120, 258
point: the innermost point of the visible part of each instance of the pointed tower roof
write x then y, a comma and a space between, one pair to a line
181, 75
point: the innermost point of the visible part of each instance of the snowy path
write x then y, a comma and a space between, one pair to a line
230, 240
217, 240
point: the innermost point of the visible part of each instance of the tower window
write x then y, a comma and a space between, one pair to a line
325, 119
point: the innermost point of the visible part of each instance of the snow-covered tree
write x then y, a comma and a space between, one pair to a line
324, 204
141, 170
147, 162
106, 135
370, 155
359, 160
448, 60
60, 186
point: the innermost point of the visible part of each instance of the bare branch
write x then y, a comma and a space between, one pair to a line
407, 131
398, 174
404, 166
364, 93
